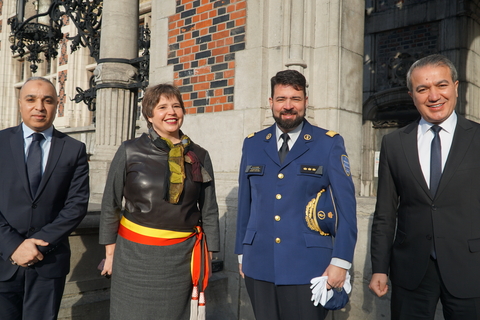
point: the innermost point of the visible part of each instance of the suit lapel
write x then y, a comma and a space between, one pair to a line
55, 152
410, 149
464, 133
18, 152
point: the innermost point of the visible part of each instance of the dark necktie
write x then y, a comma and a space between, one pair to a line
34, 163
282, 153
435, 160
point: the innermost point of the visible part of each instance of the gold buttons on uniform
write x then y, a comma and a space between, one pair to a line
277, 218
278, 196
277, 240
280, 176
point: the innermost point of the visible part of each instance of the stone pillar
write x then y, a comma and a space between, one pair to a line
116, 101
335, 72
296, 59
323, 40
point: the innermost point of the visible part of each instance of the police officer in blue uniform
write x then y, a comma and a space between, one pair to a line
285, 170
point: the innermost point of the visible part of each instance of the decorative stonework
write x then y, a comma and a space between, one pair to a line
66, 20
398, 67
203, 38
63, 59
397, 49
62, 78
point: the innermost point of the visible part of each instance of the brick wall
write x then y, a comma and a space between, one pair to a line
203, 37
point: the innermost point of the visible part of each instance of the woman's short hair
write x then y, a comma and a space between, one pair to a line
152, 97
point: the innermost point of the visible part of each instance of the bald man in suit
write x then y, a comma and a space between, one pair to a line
43, 197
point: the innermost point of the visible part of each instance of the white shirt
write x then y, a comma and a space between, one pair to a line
44, 144
424, 142
294, 134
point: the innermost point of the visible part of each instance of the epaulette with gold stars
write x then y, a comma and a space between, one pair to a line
331, 133
250, 135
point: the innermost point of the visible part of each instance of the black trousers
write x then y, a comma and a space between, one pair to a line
28, 296
421, 303
272, 302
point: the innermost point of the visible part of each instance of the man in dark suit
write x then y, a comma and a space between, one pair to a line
283, 170
426, 227
43, 197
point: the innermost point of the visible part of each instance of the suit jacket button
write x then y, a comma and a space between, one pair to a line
280, 176
278, 196
31, 229
34, 206
277, 218
277, 240
429, 237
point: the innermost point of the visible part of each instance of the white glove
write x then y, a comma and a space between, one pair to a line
320, 294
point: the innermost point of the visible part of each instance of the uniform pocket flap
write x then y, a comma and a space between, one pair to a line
249, 235
316, 240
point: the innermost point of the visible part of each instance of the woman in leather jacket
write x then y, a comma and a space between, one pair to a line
168, 221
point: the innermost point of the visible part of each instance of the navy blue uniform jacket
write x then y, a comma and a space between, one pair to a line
58, 207
272, 233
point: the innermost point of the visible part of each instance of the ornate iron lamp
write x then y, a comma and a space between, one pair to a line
37, 27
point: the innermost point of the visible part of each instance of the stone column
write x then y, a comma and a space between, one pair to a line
335, 72
116, 101
295, 58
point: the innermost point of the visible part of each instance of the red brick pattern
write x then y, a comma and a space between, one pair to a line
62, 78
63, 60
203, 37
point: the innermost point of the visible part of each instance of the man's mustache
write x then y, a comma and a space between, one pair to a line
292, 112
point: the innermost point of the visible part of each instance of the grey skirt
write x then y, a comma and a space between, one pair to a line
151, 282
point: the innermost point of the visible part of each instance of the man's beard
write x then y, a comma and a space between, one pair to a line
288, 124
